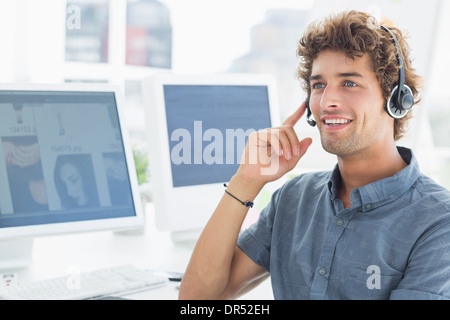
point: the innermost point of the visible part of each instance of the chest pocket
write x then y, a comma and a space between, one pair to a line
365, 284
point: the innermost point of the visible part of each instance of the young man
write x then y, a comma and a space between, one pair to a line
372, 228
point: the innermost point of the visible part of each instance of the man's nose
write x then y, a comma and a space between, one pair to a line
331, 97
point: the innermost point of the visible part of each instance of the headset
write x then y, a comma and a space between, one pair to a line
401, 99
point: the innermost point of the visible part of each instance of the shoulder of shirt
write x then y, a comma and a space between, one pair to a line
435, 208
437, 194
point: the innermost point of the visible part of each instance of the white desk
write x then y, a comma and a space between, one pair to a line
150, 249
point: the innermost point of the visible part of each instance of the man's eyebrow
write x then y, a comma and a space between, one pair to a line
317, 77
350, 74
340, 75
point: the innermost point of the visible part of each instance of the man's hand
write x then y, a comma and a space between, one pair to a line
271, 153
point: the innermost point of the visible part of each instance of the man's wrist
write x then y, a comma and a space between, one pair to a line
244, 188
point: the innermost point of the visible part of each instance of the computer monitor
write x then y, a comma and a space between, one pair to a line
65, 165
197, 130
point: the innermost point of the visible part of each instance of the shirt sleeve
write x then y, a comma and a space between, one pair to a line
427, 276
255, 241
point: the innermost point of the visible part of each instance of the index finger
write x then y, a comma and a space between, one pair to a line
293, 118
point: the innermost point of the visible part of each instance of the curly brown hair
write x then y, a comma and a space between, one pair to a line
356, 33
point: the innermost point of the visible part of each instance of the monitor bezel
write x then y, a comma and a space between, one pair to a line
118, 223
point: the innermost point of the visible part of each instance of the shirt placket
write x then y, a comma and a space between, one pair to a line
322, 271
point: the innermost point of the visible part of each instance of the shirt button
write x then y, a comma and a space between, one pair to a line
368, 206
322, 271
340, 222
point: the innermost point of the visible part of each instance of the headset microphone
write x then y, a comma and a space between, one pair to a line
311, 122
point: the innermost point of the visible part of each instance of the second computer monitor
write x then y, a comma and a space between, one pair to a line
197, 128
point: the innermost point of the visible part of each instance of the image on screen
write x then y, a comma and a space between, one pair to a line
208, 127
61, 158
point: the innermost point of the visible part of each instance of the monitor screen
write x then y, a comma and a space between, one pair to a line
208, 127
62, 158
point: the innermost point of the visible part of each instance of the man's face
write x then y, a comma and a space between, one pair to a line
348, 105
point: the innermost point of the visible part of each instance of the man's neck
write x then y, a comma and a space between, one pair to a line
359, 171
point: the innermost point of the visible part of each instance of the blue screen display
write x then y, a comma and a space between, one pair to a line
208, 126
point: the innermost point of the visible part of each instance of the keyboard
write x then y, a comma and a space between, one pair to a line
97, 284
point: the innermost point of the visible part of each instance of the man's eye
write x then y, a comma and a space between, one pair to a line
318, 86
350, 84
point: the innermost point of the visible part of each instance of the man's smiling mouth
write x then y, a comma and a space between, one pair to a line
336, 122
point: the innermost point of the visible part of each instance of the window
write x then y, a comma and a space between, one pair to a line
87, 31
149, 34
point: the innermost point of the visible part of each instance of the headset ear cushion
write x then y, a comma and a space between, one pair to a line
398, 112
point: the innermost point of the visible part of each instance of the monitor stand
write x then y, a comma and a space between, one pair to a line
15, 253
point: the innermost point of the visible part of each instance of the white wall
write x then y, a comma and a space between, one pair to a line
32, 40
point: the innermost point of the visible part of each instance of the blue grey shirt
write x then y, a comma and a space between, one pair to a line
392, 243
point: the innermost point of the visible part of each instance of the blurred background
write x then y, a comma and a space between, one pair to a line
123, 41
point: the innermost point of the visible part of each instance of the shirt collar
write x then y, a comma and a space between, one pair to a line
382, 191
